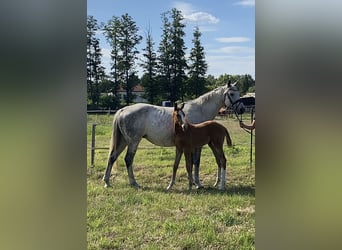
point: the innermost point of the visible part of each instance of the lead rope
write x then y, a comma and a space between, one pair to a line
237, 115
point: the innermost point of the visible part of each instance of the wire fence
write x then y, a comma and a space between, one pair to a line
93, 146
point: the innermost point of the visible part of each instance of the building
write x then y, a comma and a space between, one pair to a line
138, 92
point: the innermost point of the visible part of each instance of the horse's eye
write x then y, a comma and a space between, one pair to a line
231, 94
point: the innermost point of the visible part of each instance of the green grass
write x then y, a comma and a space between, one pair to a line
122, 217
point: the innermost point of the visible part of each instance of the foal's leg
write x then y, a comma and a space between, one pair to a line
218, 177
196, 161
175, 167
131, 150
223, 162
218, 162
114, 153
188, 162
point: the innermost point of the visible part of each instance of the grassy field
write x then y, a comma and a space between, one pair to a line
122, 217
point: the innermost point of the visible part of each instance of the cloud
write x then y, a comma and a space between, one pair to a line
235, 65
106, 59
246, 3
191, 15
201, 17
236, 60
233, 50
207, 28
236, 39
186, 8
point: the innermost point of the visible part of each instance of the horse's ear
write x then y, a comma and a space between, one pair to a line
235, 83
229, 83
175, 107
182, 106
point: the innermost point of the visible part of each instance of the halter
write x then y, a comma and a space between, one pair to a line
232, 105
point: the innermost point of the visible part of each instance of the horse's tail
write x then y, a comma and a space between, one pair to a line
228, 139
116, 136
116, 147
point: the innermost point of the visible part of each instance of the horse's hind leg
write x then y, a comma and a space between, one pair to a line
196, 161
131, 150
175, 167
114, 153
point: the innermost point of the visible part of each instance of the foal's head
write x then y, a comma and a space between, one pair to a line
179, 116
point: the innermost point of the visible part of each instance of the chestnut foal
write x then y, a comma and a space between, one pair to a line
189, 136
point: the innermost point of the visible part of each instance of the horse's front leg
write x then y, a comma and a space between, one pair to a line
179, 153
196, 161
188, 162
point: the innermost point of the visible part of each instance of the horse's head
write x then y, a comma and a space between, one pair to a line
179, 116
232, 98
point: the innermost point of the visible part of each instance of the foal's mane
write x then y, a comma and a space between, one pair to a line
175, 120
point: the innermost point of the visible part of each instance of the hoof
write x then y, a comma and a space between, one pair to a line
170, 185
107, 185
199, 187
135, 185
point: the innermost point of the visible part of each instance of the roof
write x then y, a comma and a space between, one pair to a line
137, 88
251, 94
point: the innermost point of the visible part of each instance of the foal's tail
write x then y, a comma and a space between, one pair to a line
229, 140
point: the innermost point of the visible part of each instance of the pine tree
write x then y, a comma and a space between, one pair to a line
122, 34
149, 78
95, 72
111, 32
197, 68
172, 62
164, 59
179, 64
127, 44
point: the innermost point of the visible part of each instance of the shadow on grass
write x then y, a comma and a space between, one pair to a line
230, 190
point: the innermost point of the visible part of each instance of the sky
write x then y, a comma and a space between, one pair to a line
227, 27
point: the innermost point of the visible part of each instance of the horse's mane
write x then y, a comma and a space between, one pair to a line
205, 97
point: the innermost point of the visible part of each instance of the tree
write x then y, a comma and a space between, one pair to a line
211, 82
178, 60
127, 44
172, 62
95, 72
112, 34
148, 80
109, 99
197, 68
164, 59
247, 83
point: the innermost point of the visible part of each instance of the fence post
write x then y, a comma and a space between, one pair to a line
251, 149
92, 144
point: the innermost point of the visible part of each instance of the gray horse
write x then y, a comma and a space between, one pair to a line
132, 123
